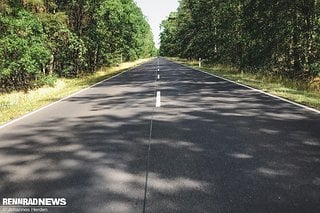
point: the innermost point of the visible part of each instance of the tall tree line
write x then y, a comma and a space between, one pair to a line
44, 38
282, 36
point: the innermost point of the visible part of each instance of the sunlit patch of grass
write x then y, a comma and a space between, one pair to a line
15, 104
301, 92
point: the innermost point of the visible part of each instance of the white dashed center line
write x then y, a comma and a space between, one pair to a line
158, 101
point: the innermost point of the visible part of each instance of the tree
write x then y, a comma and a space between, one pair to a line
44, 38
23, 51
278, 36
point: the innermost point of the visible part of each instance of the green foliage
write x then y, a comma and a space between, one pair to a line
68, 50
122, 32
23, 51
282, 36
44, 38
49, 80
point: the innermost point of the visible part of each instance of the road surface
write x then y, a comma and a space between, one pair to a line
215, 146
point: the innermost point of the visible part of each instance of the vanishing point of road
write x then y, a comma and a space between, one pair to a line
209, 146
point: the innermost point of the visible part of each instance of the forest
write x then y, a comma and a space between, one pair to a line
281, 37
41, 40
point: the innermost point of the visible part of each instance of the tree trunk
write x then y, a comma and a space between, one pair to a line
294, 42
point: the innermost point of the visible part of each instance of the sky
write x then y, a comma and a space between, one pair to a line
156, 11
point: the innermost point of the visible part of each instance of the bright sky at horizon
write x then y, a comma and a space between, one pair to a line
156, 11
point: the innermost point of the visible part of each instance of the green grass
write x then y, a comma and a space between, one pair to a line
16, 104
300, 92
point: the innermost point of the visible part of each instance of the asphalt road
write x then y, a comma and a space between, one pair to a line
215, 147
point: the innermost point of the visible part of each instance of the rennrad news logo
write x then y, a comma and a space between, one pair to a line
31, 202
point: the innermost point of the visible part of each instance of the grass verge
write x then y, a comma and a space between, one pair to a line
304, 93
16, 104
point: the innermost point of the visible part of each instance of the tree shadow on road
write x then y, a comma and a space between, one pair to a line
216, 147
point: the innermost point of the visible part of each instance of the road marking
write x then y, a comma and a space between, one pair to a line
158, 104
254, 89
158, 69
65, 98
158, 101
158, 77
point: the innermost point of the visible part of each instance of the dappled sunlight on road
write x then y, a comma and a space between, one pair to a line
216, 147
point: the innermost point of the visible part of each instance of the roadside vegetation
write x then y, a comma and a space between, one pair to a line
42, 40
272, 45
17, 103
306, 93
51, 48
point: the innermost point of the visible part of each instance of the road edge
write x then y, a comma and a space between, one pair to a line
251, 88
67, 97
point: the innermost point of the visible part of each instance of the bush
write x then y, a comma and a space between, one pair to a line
23, 51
